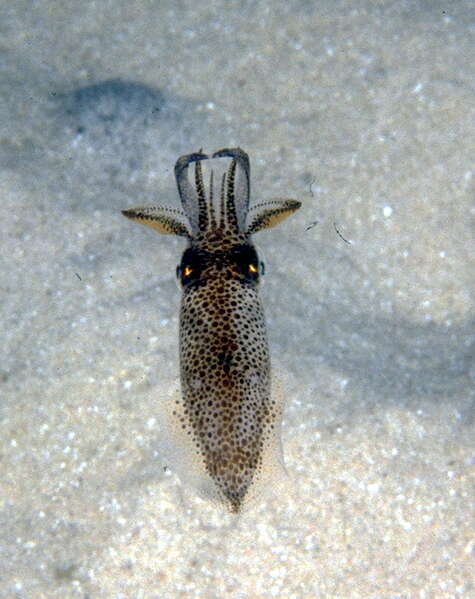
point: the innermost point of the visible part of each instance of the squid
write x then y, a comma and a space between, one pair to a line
228, 414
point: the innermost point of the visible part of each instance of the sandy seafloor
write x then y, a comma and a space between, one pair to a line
363, 110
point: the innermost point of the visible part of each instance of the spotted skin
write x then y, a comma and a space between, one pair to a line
226, 407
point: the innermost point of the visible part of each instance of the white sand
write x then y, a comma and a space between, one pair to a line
365, 111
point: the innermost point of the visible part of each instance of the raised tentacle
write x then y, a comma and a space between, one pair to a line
164, 219
231, 213
188, 194
222, 203
240, 178
203, 221
269, 214
211, 213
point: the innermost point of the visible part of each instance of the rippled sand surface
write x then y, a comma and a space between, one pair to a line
365, 112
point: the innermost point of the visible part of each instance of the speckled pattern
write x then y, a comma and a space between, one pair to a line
225, 373
226, 407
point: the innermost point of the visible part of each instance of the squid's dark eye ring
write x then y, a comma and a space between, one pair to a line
184, 274
191, 267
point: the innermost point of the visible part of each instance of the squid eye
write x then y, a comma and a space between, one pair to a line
253, 271
186, 274
246, 263
262, 268
191, 267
